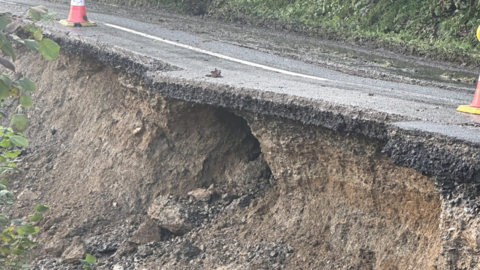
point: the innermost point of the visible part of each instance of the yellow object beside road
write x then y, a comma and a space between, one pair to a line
478, 33
80, 24
468, 109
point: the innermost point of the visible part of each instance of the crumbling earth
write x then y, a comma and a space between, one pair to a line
145, 182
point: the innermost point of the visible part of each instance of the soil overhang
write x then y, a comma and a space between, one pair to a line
450, 140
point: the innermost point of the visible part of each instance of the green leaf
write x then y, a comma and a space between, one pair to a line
4, 221
29, 229
6, 79
42, 208
3, 38
17, 39
18, 251
13, 154
6, 193
21, 231
26, 101
17, 221
7, 49
35, 217
2, 114
6, 237
38, 35
15, 91
27, 242
35, 15
35, 31
5, 143
91, 259
40, 13
4, 62
19, 123
19, 141
3, 159
49, 49
4, 21
8, 169
48, 16
31, 44
27, 84
4, 92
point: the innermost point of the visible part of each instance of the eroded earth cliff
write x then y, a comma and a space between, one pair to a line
144, 181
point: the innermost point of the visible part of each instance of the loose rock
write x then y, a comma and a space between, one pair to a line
75, 252
148, 232
170, 215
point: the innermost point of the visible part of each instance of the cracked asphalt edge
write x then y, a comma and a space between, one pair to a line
449, 158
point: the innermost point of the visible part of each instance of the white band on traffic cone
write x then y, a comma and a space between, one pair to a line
80, 3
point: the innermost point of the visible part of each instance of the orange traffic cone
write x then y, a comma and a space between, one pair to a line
78, 15
475, 106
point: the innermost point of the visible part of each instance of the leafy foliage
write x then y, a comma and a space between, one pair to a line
441, 28
89, 262
16, 236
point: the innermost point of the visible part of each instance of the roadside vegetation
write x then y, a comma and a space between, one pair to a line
440, 29
17, 236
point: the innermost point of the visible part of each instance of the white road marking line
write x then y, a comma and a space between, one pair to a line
11, 3
248, 63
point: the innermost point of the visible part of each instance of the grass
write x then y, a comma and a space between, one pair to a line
440, 29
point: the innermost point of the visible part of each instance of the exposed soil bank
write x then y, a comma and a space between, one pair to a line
145, 181
343, 203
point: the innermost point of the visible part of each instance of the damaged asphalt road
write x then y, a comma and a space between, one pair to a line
410, 101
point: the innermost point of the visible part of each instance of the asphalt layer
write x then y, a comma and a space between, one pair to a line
402, 114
